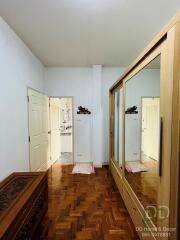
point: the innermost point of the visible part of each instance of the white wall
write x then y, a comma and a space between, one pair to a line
78, 82
75, 82
18, 70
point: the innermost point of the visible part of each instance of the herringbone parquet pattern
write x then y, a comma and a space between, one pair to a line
85, 207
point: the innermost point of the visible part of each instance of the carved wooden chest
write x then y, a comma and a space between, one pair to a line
23, 204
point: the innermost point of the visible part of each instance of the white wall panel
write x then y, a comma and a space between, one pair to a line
19, 68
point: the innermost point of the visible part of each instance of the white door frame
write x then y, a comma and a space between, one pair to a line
72, 118
49, 117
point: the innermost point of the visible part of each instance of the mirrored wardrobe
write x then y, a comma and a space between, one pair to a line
143, 129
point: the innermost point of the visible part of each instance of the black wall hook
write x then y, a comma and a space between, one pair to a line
83, 110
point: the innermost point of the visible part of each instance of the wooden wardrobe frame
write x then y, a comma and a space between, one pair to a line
169, 39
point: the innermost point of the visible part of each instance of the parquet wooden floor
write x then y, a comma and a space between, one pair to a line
84, 207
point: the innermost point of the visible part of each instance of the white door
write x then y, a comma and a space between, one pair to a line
150, 127
38, 131
55, 128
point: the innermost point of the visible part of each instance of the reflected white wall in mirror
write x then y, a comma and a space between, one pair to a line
145, 84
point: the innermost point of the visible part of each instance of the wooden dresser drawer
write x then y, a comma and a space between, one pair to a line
137, 218
23, 204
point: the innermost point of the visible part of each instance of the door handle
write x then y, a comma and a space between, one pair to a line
49, 132
161, 147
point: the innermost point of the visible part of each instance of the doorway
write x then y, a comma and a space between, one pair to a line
62, 131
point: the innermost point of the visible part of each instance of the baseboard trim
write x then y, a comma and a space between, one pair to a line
105, 163
98, 165
101, 165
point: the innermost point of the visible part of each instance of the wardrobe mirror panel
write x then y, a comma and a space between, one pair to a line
142, 134
118, 110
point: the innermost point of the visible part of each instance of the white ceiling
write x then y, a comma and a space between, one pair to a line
80, 33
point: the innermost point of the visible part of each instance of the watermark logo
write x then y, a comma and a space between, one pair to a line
153, 213
159, 213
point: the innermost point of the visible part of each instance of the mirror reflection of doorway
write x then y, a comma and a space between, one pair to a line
150, 129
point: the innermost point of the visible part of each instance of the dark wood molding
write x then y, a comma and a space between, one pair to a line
24, 200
